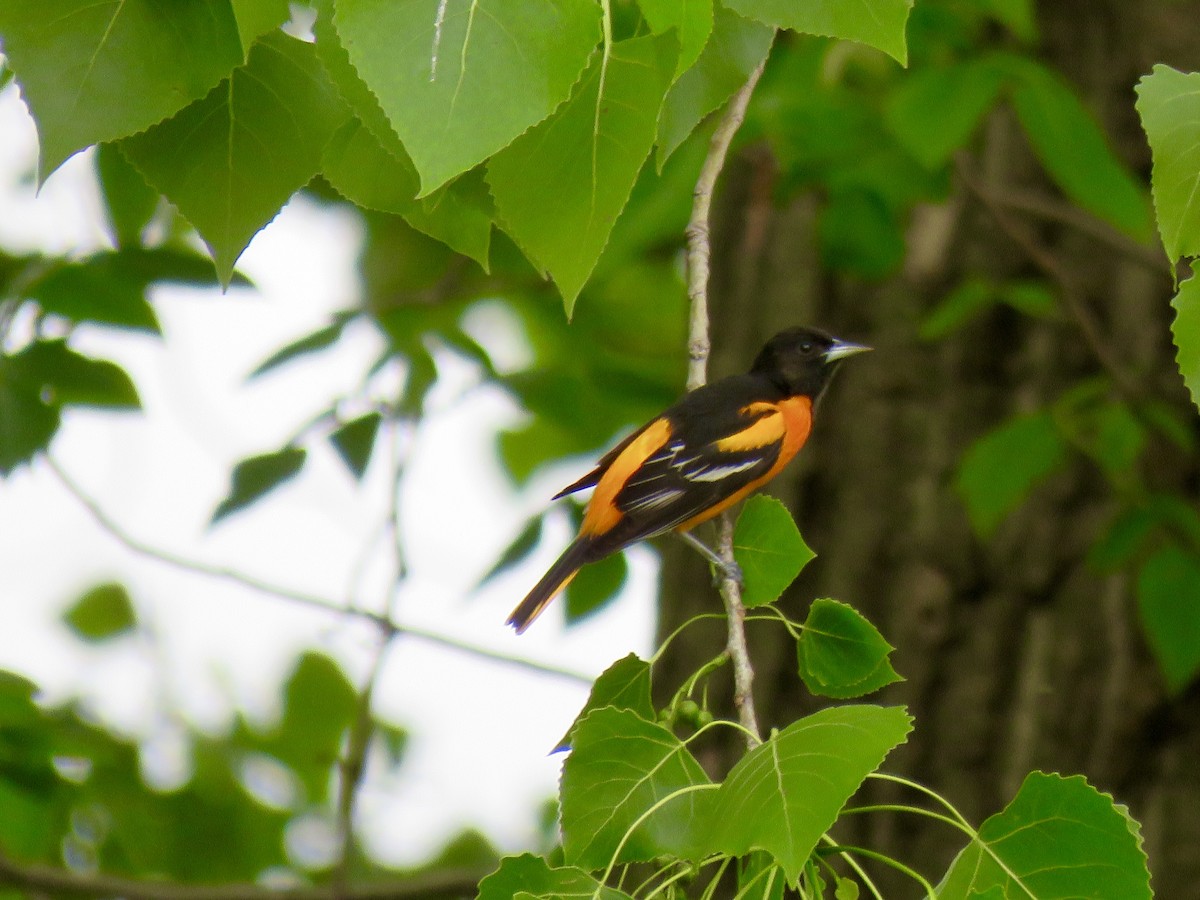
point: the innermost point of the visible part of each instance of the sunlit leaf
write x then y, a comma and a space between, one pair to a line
1169, 104
842, 654
786, 793
460, 79
98, 71
768, 547
1185, 330
531, 876
560, 186
620, 766
232, 159
623, 685
877, 23
1058, 839
736, 47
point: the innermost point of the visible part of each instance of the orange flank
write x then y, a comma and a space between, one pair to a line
602, 513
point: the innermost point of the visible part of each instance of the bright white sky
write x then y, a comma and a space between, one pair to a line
480, 730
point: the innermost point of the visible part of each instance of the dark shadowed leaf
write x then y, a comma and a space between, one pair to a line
128, 201
1000, 469
522, 545
257, 475
596, 584
355, 440
1168, 592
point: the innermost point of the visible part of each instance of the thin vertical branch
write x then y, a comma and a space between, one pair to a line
699, 347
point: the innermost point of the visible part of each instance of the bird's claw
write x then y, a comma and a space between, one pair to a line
728, 570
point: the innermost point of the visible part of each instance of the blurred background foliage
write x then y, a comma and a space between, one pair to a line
1009, 488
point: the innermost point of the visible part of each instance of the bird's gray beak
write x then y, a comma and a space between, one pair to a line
841, 349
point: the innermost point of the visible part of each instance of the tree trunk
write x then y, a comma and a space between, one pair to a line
1017, 655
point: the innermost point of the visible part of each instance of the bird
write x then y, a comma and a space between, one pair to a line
715, 446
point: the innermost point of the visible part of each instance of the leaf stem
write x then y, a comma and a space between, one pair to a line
887, 861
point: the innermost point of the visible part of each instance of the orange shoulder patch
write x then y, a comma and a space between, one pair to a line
768, 429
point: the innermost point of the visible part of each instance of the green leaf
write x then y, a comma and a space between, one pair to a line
103, 612
692, 21
1018, 15
877, 23
110, 287
520, 548
620, 766
1000, 468
256, 17
735, 49
935, 111
623, 685
460, 79
319, 705
1059, 838
560, 187
768, 547
596, 584
257, 475
529, 875
841, 654
28, 421
232, 159
355, 440
860, 234
760, 876
129, 202
1169, 104
1074, 150
310, 343
363, 171
1168, 593
786, 793
66, 378
98, 71
974, 295
1185, 330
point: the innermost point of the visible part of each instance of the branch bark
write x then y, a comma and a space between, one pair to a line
699, 348
42, 879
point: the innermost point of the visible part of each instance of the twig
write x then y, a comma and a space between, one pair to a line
42, 879
350, 771
699, 249
699, 347
311, 601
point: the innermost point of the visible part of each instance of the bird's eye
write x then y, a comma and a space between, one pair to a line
806, 347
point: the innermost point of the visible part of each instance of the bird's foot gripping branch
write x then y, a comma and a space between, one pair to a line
641, 817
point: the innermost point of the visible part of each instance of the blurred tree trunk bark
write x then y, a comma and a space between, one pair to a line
1017, 655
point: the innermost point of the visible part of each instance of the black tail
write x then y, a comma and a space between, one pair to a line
556, 578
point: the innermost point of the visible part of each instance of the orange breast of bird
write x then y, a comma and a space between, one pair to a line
786, 422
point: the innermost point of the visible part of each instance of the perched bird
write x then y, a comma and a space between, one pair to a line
705, 453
